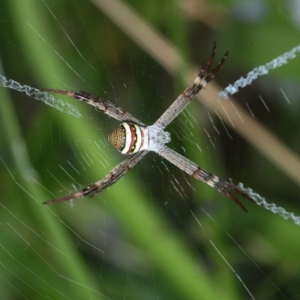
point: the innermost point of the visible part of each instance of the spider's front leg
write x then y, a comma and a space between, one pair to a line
203, 78
197, 172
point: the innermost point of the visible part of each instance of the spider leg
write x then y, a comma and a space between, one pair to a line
194, 170
97, 187
103, 104
202, 79
207, 66
213, 73
225, 186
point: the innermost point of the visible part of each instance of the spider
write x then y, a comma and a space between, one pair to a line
136, 139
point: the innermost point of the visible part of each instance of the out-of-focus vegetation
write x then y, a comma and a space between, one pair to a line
149, 236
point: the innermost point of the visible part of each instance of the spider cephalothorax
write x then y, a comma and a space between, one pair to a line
134, 138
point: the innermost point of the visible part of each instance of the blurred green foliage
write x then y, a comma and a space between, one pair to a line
149, 236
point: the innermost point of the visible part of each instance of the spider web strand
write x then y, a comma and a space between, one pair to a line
259, 71
39, 95
270, 206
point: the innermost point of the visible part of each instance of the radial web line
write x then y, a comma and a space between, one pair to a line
39, 95
259, 71
232, 269
270, 206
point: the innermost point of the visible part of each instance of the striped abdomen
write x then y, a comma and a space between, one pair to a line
129, 138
